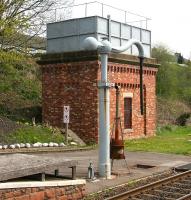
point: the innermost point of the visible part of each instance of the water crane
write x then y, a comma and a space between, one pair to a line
104, 47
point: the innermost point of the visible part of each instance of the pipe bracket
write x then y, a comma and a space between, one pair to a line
105, 85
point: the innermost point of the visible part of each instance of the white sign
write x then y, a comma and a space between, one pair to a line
66, 114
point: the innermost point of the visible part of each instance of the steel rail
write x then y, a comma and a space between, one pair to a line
186, 197
150, 186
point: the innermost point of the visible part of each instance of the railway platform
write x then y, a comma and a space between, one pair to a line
140, 164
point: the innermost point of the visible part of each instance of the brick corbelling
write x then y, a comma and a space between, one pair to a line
124, 68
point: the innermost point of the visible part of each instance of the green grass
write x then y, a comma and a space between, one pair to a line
169, 139
32, 134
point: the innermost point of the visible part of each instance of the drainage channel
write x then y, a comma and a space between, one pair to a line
144, 166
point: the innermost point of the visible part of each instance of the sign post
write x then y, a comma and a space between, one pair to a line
66, 120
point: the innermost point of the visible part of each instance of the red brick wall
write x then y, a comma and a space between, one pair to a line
44, 193
73, 83
127, 77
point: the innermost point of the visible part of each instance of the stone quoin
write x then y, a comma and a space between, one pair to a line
72, 79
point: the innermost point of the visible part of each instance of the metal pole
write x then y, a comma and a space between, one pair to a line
117, 118
66, 133
104, 48
55, 14
125, 16
109, 27
146, 23
141, 85
86, 9
102, 9
104, 122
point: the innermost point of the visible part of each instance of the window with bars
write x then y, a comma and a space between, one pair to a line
128, 113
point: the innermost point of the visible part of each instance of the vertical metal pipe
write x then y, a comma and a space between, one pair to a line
117, 101
102, 9
66, 133
141, 85
146, 23
55, 15
109, 27
104, 48
86, 5
141, 24
117, 113
104, 122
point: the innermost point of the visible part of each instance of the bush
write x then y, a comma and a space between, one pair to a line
173, 80
182, 119
168, 111
20, 86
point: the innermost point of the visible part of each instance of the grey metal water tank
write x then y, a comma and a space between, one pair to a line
67, 36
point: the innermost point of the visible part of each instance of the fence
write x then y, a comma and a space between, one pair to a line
96, 8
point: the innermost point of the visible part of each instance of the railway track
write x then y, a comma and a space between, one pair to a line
174, 187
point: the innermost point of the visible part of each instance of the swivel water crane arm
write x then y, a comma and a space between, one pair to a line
128, 45
141, 58
91, 43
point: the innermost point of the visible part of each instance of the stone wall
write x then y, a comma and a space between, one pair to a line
71, 79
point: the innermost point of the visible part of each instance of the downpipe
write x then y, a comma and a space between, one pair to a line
141, 85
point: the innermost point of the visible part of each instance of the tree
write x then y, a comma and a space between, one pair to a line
162, 54
20, 20
173, 80
179, 58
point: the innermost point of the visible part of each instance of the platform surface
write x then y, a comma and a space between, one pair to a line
159, 162
184, 167
20, 165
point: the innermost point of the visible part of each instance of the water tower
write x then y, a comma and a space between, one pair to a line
71, 75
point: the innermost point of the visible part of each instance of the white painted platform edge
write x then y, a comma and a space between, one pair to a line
55, 183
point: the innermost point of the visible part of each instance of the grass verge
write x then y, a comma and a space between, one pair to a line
169, 139
32, 134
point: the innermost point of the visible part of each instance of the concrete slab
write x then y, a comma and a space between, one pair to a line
185, 167
20, 165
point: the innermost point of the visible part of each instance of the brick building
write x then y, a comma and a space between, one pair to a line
71, 79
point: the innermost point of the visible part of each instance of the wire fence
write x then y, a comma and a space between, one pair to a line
72, 11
